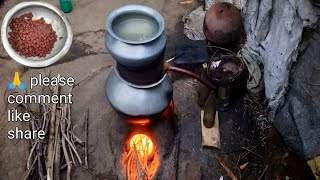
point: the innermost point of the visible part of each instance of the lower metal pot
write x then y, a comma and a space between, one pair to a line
135, 100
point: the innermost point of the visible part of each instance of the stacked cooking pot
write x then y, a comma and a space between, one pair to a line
137, 85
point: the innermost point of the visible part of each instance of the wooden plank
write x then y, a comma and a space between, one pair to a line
211, 136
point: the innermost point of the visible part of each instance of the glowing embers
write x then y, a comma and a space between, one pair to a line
139, 121
140, 160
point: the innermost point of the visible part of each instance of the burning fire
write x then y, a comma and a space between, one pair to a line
140, 160
143, 145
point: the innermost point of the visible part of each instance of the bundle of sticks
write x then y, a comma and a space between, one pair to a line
57, 152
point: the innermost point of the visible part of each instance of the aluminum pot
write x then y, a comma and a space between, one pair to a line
135, 38
135, 52
140, 101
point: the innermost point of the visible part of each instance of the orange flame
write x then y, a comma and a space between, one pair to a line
142, 143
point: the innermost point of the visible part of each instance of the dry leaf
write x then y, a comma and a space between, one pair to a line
186, 2
244, 165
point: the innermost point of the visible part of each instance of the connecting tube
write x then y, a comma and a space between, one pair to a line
167, 67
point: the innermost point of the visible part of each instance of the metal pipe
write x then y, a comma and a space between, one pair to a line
191, 74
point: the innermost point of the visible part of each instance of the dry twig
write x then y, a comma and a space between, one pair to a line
31, 168
264, 171
56, 123
57, 148
64, 148
251, 151
227, 169
86, 139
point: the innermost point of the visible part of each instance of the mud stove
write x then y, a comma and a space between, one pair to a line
139, 90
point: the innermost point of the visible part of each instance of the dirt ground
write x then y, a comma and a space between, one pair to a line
179, 146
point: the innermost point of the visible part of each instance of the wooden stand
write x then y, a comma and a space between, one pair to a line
211, 136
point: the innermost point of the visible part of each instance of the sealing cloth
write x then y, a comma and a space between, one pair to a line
274, 30
298, 120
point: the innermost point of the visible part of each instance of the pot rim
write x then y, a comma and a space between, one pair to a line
134, 8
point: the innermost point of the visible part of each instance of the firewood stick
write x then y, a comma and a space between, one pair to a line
137, 162
246, 153
227, 169
57, 159
129, 157
66, 156
30, 155
32, 149
141, 150
66, 116
29, 171
50, 156
73, 160
129, 153
86, 139
40, 149
68, 120
64, 148
69, 114
145, 161
40, 166
251, 151
77, 140
58, 148
45, 118
146, 167
72, 147
64, 133
264, 171
71, 144
140, 174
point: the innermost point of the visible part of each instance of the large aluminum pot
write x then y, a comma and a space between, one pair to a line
135, 38
141, 101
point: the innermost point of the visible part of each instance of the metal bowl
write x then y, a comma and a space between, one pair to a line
52, 15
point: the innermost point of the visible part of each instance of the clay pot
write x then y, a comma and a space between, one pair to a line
222, 23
